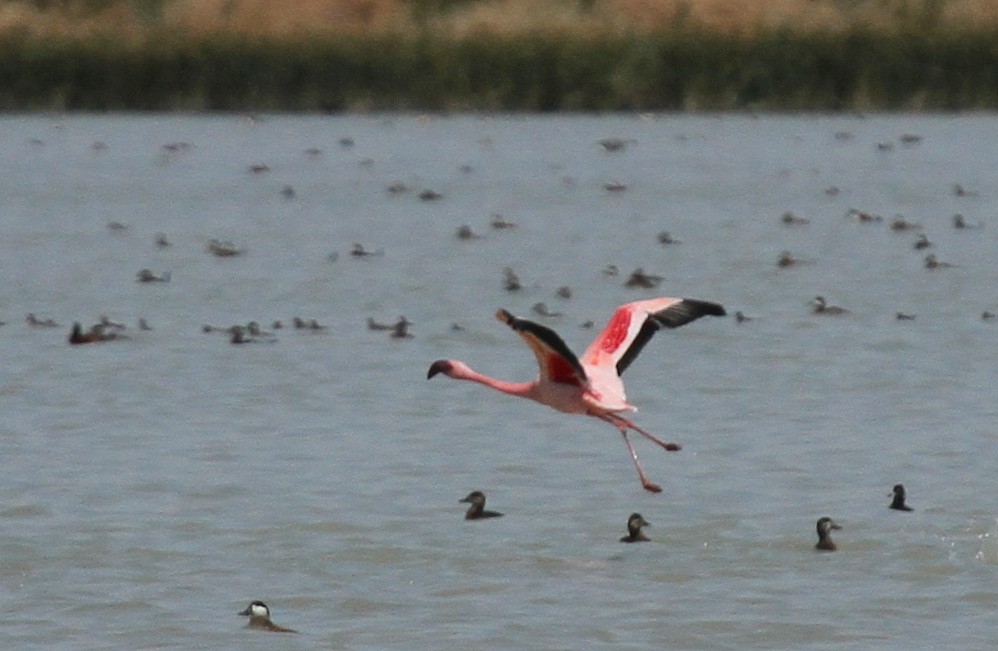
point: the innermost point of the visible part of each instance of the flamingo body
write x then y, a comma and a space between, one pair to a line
590, 384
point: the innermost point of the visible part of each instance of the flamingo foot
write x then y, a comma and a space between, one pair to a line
652, 488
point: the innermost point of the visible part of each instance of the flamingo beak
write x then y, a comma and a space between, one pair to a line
439, 366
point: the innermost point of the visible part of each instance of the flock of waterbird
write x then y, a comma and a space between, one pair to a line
589, 384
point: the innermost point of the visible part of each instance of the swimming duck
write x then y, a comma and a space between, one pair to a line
500, 223
511, 282
34, 321
899, 223
541, 309
819, 306
824, 526
77, 336
790, 219
786, 259
401, 329
358, 251
922, 242
665, 238
477, 509
615, 144
639, 278
898, 503
147, 276
634, 533
932, 262
464, 232
259, 618
95, 335
223, 249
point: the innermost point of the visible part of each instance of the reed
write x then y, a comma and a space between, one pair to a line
457, 55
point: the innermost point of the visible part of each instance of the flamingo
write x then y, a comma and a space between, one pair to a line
590, 384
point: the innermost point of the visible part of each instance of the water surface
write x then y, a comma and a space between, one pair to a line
153, 487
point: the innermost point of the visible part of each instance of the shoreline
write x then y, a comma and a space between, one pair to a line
677, 71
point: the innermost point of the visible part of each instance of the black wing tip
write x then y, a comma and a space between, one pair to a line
705, 308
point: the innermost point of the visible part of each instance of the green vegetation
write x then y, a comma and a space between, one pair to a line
687, 69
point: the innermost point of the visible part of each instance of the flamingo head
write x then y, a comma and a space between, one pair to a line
449, 367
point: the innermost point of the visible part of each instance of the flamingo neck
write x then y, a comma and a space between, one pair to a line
520, 389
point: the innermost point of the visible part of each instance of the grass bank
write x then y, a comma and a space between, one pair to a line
431, 56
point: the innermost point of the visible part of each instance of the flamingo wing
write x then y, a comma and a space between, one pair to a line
634, 324
556, 360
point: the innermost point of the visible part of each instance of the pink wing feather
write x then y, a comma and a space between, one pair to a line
633, 325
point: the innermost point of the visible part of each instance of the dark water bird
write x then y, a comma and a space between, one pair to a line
665, 238
899, 223
922, 242
477, 509
611, 270
639, 278
960, 223
960, 191
35, 322
398, 188
238, 335
987, 316
863, 216
288, 192
825, 542
898, 502
161, 240
358, 251
790, 219
401, 329
634, 533
429, 195
819, 306
590, 384
904, 316
96, 334
258, 168
147, 276
144, 325
464, 232
223, 249
614, 186
117, 227
77, 336
541, 309
259, 618
740, 317
615, 144
501, 223
786, 259
511, 282
310, 324
564, 292
932, 262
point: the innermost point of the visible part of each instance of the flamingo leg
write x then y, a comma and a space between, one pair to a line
622, 423
648, 485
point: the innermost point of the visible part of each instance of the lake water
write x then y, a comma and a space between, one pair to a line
152, 487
